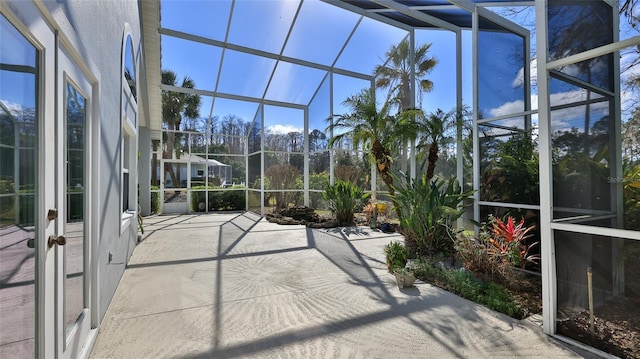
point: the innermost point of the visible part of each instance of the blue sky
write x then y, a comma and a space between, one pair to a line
16, 88
318, 36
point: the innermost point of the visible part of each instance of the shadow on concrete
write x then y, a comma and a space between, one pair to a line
337, 247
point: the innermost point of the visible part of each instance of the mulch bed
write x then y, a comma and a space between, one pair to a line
616, 328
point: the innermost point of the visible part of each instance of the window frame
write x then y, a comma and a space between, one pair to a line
128, 131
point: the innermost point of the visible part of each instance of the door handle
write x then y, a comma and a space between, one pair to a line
59, 240
52, 214
31, 243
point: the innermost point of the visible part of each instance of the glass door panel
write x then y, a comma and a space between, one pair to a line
73, 197
74, 294
18, 171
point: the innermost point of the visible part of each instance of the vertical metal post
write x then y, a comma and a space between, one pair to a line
332, 151
412, 144
476, 108
459, 125
306, 156
262, 158
144, 170
546, 199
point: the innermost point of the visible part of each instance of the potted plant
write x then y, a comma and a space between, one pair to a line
404, 277
396, 254
397, 263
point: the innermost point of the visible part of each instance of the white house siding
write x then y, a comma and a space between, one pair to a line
99, 28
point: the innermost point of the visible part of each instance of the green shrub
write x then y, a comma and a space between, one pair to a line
217, 200
7, 204
317, 181
233, 200
631, 195
344, 199
465, 284
155, 199
7, 186
428, 211
396, 254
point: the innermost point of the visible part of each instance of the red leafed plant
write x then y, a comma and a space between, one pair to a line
507, 239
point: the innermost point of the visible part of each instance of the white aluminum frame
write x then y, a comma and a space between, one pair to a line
548, 225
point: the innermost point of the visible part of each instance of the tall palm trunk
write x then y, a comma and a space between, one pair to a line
383, 164
433, 157
169, 154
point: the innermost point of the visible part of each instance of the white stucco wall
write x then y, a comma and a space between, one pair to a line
97, 29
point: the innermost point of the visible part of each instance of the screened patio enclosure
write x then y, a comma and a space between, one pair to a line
275, 94
546, 140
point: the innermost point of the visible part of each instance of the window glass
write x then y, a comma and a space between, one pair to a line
501, 83
75, 119
606, 272
129, 123
583, 162
443, 74
129, 67
18, 173
578, 26
508, 163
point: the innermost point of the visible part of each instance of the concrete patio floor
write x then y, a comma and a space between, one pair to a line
237, 286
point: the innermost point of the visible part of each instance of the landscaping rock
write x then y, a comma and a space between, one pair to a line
301, 216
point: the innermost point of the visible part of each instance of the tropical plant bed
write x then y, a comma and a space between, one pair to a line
616, 327
302, 215
520, 299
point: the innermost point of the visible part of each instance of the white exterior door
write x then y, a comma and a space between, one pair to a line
45, 191
73, 199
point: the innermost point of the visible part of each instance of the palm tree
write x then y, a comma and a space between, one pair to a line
396, 76
374, 129
396, 73
431, 131
175, 106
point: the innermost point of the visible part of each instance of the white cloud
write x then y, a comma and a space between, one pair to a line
518, 81
507, 108
283, 129
563, 119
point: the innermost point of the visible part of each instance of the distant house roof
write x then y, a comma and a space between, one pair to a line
201, 160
